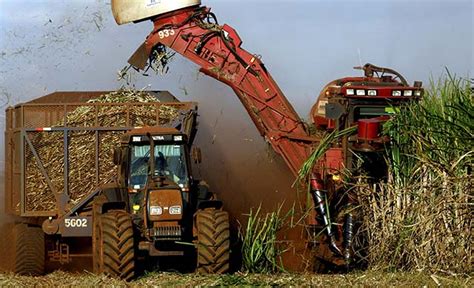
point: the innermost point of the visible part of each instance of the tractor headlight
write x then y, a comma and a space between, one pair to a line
350, 92
418, 93
372, 92
408, 93
360, 92
396, 93
174, 210
156, 210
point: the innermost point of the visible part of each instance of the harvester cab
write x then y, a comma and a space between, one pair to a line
366, 102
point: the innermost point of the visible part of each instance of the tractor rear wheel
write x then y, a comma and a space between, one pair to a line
114, 249
213, 247
29, 250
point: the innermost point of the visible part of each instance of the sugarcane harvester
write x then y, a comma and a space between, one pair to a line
365, 102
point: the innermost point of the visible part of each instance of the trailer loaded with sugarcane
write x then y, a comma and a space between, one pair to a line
107, 175
351, 110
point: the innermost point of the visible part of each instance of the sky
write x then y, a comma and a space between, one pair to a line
47, 46
76, 45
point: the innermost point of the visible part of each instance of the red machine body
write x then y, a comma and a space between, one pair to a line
353, 101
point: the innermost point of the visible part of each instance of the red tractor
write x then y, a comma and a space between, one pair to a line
366, 102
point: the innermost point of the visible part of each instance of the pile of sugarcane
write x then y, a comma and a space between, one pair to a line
82, 174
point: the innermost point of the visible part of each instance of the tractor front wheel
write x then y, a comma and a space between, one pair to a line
213, 247
113, 245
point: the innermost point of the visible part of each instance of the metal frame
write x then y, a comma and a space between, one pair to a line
61, 197
24, 115
18, 116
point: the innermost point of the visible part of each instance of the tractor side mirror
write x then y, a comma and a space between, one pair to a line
196, 155
117, 156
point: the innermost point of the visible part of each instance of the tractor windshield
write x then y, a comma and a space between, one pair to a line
170, 162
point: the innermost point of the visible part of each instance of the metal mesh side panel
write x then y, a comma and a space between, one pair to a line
43, 116
49, 147
95, 114
107, 141
83, 175
82, 170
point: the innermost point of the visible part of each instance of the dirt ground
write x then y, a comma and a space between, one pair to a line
359, 279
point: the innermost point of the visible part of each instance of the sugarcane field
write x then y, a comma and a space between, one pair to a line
202, 143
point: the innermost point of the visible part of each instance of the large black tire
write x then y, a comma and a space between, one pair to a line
213, 247
114, 249
7, 248
29, 250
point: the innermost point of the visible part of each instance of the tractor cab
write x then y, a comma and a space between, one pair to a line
366, 102
155, 168
163, 157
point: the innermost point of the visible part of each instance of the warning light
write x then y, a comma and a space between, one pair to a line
336, 177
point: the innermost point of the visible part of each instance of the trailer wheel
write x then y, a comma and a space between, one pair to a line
29, 250
213, 247
114, 250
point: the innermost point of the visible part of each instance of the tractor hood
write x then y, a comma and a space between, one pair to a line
165, 205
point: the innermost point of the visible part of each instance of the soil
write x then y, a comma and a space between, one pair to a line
166, 279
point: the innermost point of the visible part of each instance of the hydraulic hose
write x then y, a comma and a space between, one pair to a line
319, 198
348, 236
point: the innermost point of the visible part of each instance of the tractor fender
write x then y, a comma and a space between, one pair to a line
111, 197
217, 204
106, 207
102, 205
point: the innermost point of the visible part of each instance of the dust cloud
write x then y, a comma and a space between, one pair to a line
239, 165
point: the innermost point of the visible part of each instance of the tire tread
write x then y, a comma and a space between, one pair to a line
213, 241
